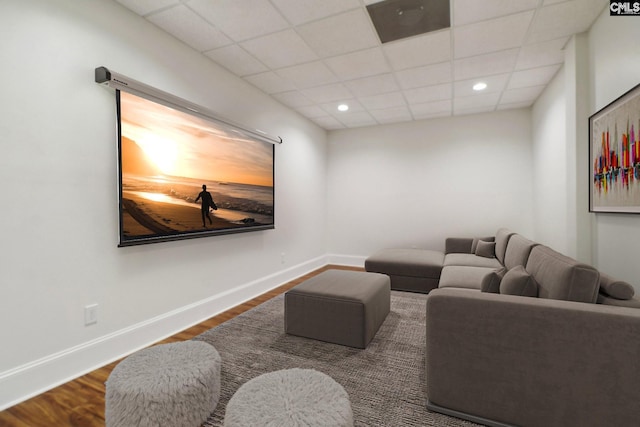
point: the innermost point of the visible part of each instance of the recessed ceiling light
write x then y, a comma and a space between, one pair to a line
480, 86
343, 107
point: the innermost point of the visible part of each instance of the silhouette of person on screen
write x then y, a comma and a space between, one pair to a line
207, 202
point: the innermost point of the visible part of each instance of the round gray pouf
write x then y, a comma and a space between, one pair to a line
174, 385
289, 398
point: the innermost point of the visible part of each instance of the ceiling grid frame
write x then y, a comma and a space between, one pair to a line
533, 65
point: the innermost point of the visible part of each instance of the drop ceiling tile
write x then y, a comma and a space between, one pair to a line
357, 119
301, 11
425, 76
270, 82
236, 60
383, 101
484, 65
426, 94
359, 64
420, 50
144, 7
431, 109
312, 111
241, 20
541, 54
329, 123
474, 110
374, 85
281, 49
392, 115
491, 36
564, 19
308, 75
495, 83
527, 94
293, 99
533, 77
476, 101
187, 26
328, 93
513, 106
470, 11
344, 33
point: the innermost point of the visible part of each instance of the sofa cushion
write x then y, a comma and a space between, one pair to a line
491, 282
486, 249
462, 276
471, 260
518, 282
406, 262
518, 250
561, 277
502, 238
615, 288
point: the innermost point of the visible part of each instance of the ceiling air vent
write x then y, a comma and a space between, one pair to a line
398, 19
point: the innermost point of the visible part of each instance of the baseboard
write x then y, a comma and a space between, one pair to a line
348, 260
29, 380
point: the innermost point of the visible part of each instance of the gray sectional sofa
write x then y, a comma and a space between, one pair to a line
567, 354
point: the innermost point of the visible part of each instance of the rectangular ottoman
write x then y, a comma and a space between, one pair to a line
338, 306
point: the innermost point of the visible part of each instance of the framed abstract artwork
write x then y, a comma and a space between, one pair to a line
614, 155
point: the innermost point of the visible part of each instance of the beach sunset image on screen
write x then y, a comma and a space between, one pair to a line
184, 175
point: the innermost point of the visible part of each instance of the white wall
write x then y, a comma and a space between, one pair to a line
414, 184
579, 219
599, 67
59, 223
614, 54
560, 160
549, 161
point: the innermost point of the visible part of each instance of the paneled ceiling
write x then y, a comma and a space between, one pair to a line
313, 55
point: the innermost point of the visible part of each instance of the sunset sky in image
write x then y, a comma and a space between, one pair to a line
180, 144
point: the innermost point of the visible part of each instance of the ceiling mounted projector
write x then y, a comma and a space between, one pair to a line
398, 19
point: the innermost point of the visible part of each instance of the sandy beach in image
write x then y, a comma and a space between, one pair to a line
142, 217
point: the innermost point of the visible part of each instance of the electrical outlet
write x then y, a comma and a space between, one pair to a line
90, 314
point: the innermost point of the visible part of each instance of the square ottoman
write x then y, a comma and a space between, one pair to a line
338, 306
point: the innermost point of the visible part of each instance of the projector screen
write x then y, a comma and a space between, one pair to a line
184, 176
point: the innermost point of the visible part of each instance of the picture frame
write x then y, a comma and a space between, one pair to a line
614, 156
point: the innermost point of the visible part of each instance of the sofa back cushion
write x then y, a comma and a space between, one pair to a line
518, 250
502, 238
563, 278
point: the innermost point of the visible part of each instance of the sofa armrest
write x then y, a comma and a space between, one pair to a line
457, 245
529, 361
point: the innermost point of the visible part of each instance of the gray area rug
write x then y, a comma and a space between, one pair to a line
385, 382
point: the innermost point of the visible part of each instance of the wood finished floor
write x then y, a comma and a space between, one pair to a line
80, 403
